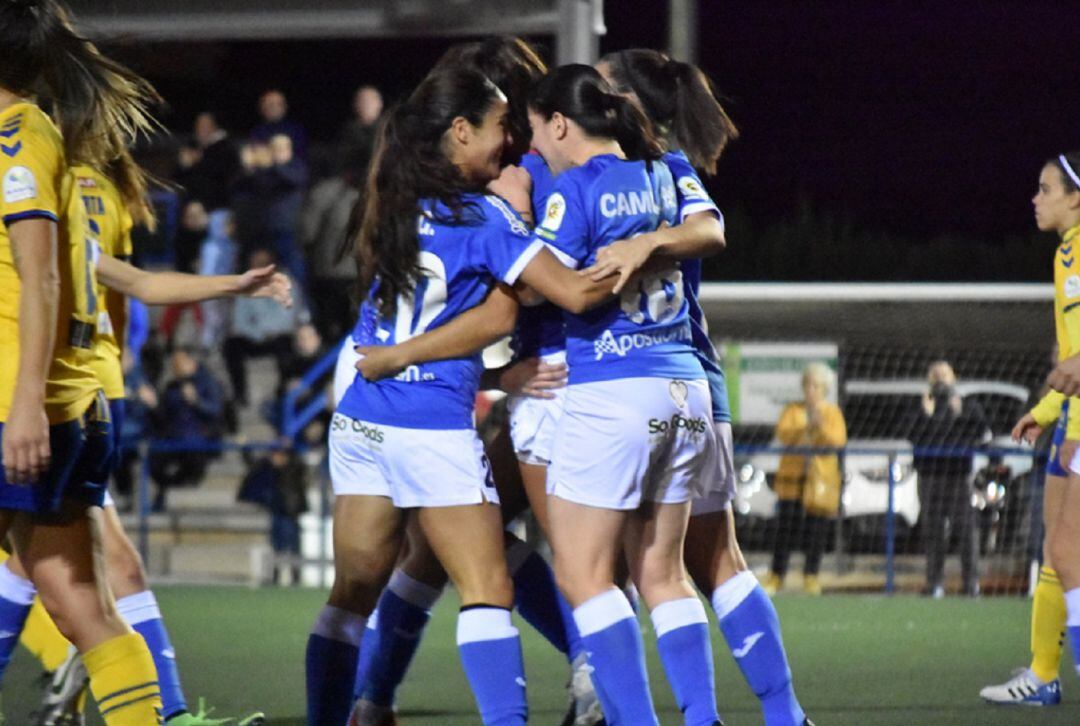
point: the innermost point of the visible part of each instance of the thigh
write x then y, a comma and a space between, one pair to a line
367, 534
507, 476
655, 539
534, 481
123, 562
587, 542
468, 540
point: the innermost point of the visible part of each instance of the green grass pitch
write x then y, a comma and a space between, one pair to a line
857, 659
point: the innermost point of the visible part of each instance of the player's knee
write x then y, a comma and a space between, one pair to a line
1064, 556
126, 573
487, 587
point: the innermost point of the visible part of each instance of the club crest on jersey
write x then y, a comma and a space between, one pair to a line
623, 204
19, 185
1072, 286
556, 210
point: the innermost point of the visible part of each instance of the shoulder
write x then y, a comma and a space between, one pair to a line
27, 132
499, 215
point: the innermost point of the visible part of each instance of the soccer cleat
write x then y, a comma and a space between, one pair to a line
202, 718
63, 694
366, 713
1024, 689
811, 585
584, 708
773, 584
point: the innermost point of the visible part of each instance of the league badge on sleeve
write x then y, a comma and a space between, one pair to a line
691, 189
556, 210
19, 185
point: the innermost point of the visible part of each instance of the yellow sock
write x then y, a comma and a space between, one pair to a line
124, 682
1047, 625
42, 639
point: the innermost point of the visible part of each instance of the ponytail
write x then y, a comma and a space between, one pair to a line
579, 93
408, 167
99, 104
679, 100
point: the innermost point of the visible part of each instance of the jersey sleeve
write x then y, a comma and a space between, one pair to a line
29, 167
509, 247
1048, 409
690, 193
565, 226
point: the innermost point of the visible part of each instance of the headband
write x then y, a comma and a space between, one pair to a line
1069, 170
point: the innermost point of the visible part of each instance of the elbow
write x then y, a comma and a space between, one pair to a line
717, 238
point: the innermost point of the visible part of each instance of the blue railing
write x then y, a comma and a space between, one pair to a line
293, 419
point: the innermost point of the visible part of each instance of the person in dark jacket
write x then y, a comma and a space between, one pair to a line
279, 482
944, 428
188, 410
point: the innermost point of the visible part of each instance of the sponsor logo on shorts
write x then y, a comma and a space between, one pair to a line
695, 426
344, 425
609, 343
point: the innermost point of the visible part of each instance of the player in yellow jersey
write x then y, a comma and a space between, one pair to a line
55, 420
1057, 209
110, 208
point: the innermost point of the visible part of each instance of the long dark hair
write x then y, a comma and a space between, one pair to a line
578, 92
100, 105
1073, 159
513, 65
679, 99
410, 165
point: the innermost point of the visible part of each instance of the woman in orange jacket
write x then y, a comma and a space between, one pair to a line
808, 487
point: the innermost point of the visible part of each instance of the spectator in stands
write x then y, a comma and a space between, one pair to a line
947, 426
257, 330
274, 109
188, 410
358, 135
270, 193
325, 221
208, 163
307, 350
279, 482
217, 256
807, 486
189, 236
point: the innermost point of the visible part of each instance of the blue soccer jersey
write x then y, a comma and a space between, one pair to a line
646, 332
461, 263
539, 330
692, 199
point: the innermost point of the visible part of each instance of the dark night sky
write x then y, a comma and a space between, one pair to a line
919, 118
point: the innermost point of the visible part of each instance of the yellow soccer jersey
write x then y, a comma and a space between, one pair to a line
110, 224
1067, 327
38, 183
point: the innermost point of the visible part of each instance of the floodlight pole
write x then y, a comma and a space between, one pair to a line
683, 30
581, 23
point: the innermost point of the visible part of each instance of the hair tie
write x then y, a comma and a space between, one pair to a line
1069, 170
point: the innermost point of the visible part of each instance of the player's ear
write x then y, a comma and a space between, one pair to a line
559, 126
461, 130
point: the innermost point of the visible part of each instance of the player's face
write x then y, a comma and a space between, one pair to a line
481, 157
1054, 206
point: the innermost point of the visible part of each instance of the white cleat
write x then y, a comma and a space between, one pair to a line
1024, 689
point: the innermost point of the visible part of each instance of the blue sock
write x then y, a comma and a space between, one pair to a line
1072, 622
752, 630
610, 634
682, 637
142, 613
491, 656
392, 637
539, 601
16, 597
332, 651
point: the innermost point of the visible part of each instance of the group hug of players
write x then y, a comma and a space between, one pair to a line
559, 206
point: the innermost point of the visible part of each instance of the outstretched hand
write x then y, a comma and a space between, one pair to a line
265, 282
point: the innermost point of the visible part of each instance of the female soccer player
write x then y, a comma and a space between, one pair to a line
55, 420
113, 203
1057, 209
680, 103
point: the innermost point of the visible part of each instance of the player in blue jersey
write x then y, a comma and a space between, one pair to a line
394, 630
680, 102
431, 246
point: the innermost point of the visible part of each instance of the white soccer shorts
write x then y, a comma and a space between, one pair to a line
620, 443
413, 467
720, 488
533, 421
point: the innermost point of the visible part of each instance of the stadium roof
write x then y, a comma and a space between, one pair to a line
278, 19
